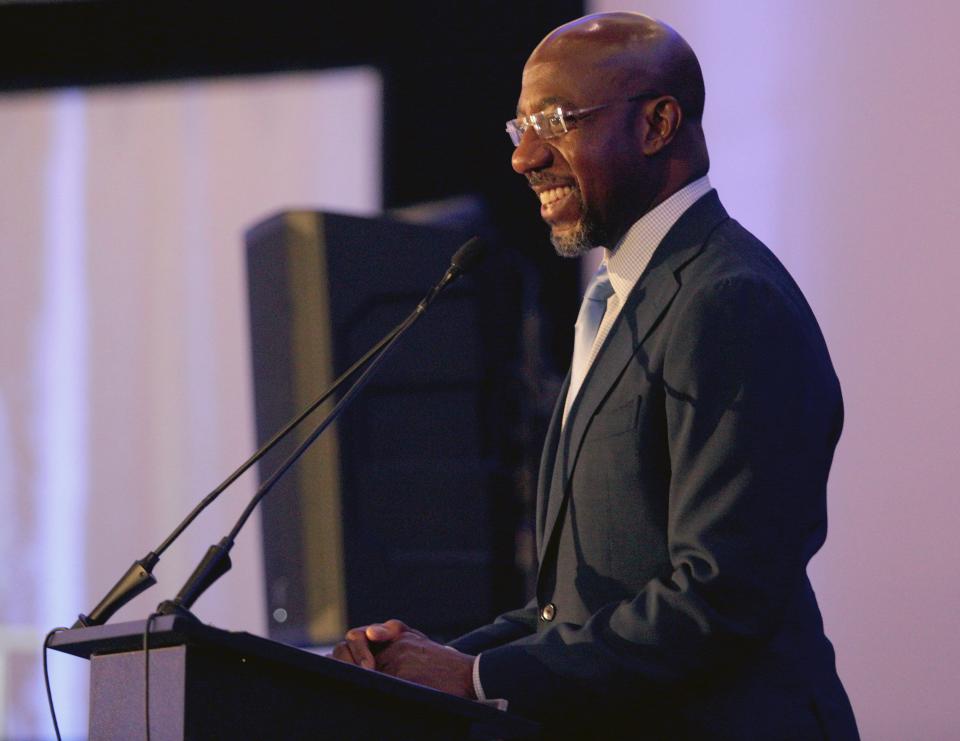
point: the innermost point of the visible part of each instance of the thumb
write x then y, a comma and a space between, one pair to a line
388, 631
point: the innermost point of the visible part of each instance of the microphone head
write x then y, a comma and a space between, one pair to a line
469, 255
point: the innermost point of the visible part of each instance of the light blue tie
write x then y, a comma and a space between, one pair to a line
585, 332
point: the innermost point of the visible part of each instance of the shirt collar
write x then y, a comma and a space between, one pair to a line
627, 261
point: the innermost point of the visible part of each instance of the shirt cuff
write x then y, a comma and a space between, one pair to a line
477, 687
499, 703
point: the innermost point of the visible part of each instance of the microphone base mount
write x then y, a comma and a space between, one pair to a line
172, 607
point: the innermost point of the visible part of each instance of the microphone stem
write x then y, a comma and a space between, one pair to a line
140, 575
217, 561
338, 408
269, 445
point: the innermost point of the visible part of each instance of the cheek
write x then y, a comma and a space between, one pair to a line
595, 191
583, 170
609, 183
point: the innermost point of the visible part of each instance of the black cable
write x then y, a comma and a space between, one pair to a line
146, 672
46, 679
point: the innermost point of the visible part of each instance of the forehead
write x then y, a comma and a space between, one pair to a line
576, 76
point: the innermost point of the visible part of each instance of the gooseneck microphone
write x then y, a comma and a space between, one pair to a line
464, 259
139, 576
216, 561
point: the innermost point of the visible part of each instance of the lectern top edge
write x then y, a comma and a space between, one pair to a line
175, 630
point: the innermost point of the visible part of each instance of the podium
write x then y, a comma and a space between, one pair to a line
207, 683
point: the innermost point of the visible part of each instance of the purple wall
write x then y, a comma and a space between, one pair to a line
832, 129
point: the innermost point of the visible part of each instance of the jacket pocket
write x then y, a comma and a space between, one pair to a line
619, 420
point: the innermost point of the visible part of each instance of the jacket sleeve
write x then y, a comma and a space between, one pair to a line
753, 412
506, 628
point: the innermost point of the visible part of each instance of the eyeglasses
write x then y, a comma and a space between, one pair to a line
557, 121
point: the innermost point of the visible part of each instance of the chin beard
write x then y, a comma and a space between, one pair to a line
582, 238
575, 242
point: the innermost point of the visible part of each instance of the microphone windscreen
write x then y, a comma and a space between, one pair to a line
467, 257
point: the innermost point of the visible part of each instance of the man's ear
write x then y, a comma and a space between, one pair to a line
661, 119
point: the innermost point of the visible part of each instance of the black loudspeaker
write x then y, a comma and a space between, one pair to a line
405, 507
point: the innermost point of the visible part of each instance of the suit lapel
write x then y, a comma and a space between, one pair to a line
548, 463
647, 302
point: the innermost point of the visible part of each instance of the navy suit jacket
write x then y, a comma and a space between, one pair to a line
677, 510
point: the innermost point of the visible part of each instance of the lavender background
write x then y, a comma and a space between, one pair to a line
832, 133
831, 127
125, 388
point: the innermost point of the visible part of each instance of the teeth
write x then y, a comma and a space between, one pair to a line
554, 194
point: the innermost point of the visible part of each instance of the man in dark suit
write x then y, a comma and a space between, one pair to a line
683, 482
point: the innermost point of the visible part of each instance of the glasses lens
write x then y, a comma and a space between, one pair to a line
554, 122
548, 124
515, 129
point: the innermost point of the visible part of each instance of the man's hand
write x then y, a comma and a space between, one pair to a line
414, 657
394, 648
360, 644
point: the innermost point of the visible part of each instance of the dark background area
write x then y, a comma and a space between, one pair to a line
451, 76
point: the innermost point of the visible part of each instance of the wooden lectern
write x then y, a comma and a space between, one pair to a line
207, 683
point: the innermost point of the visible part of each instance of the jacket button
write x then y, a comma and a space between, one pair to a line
548, 611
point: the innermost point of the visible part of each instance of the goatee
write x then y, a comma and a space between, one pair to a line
579, 240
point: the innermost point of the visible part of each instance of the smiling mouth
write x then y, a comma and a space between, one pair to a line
549, 197
559, 205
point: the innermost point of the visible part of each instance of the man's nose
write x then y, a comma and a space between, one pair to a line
531, 153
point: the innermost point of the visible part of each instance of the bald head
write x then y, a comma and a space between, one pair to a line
631, 49
629, 93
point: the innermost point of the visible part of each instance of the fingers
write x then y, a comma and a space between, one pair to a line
360, 648
360, 644
342, 653
355, 649
386, 632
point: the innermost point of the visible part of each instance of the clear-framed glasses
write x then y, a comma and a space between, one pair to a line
557, 121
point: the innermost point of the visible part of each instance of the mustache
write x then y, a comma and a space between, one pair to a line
535, 179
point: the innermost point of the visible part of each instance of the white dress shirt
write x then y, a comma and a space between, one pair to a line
630, 257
